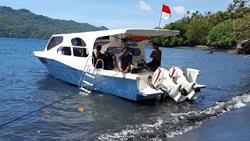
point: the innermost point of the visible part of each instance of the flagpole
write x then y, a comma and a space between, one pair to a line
159, 26
170, 18
160, 21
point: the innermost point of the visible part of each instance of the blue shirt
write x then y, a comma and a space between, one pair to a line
125, 60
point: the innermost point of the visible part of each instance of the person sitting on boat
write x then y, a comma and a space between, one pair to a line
125, 60
109, 61
98, 55
156, 58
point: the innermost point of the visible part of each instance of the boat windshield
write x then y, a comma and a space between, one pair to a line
78, 42
54, 41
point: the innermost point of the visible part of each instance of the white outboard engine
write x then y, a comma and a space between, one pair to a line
176, 83
179, 77
162, 80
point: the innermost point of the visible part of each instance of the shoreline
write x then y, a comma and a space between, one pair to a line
201, 47
210, 49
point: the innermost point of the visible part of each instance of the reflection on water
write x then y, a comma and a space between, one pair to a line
27, 86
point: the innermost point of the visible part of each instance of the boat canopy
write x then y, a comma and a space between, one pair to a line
151, 32
130, 33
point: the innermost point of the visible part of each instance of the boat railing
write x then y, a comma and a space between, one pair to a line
102, 62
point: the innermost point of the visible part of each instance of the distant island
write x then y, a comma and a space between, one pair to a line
25, 24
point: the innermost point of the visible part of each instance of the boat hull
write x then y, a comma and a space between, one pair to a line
125, 88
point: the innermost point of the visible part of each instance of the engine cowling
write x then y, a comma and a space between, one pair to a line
174, 83
178, 77
162, 80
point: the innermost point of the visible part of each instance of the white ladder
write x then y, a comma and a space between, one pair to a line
85, 85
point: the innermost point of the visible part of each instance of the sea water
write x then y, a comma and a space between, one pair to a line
25, 86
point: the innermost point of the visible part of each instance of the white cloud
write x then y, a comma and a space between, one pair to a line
144, 7
180, 10
230, 1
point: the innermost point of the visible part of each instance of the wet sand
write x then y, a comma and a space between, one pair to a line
232, 126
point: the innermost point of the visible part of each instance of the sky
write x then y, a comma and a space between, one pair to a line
116, 14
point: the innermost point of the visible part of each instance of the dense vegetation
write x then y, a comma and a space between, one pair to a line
24, 24
223, 29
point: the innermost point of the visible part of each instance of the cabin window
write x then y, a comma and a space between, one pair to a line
64, 51
54, 41
78, 42
80, 52
103, 38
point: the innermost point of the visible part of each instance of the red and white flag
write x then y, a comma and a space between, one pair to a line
166, 12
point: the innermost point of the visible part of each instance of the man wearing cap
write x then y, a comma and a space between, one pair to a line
125, 60
156, 58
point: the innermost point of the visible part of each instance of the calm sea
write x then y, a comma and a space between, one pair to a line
221, 111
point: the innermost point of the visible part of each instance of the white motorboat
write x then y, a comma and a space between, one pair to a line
68, 57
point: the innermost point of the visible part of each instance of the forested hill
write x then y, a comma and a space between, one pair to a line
25, 24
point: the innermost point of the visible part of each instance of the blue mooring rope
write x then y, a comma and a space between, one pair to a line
13, 120
20, 117
16, 119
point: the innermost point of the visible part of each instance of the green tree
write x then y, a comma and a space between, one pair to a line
197, 31
242, 28
223, 35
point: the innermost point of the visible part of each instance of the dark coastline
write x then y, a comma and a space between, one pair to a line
210, 49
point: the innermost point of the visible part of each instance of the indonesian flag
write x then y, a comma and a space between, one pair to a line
166, 12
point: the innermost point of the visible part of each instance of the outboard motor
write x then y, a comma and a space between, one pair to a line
177, 83
178, 76
162, 80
